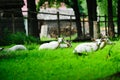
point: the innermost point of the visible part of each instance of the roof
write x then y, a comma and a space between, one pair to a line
49, 11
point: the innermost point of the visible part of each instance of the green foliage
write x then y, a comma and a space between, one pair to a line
81, 9
84, 6
102, 5
16, 38
114, 3
59, 64
39, 4
69, 3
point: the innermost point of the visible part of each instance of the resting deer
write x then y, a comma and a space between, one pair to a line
91, 46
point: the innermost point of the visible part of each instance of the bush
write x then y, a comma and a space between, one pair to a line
16, 38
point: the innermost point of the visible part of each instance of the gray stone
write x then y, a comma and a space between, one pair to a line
44, 31
68, 11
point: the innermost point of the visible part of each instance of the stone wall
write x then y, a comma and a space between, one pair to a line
52, 14
52, 30
52, 22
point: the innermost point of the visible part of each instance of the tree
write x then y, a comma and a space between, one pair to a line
75, 7
110, 19
102, 5
92, 14
118, 16
32, 21
40, 4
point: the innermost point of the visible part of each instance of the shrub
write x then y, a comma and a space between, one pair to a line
16, 38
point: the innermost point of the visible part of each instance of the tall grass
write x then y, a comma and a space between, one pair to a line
59, 64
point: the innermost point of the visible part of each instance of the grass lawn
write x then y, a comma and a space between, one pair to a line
60, 64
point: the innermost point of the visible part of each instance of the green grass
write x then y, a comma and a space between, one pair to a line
59, 64
72, 37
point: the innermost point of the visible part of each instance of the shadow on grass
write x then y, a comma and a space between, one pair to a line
115, 76
10, 55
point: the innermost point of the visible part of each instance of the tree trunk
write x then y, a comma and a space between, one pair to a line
94, 10
92, 15
110, 19
89, 7
32, 21
78, 20
95, 23
118, 14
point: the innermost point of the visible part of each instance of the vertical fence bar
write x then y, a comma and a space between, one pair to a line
70, 26
58, 20
26, 24
98, 22
105, 25
83, 27
13, 23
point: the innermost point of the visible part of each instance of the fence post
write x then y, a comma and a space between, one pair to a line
105, 25
95, 27
83, 27
58, 21
70, 26
26, 24
98, 24
13, 23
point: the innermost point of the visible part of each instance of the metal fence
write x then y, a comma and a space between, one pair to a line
12, 22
